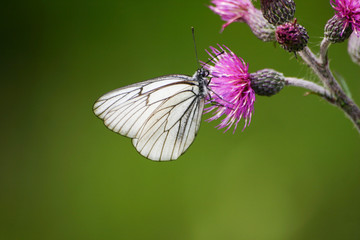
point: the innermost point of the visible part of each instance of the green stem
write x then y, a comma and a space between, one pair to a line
311, 86
321, 67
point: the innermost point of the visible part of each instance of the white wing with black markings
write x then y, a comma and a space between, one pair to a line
162, 115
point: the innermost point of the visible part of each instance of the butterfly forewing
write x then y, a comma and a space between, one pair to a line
119, 106
161, 115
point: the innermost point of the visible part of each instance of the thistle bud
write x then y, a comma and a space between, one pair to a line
261, 28
354, 48
278, 12
292, 36
337, 30
267, 82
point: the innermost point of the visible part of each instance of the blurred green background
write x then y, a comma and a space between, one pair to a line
293, 174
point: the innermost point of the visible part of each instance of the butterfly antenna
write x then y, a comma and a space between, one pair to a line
196, 55
210, 59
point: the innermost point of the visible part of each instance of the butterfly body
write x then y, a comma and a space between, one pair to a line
161, 115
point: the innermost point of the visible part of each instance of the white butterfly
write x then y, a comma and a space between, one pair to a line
161, 115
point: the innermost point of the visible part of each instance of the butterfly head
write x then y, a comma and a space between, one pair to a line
202, 73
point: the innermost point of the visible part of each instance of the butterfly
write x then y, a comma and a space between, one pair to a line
162, 115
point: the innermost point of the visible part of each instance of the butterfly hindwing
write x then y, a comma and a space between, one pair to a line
172, 128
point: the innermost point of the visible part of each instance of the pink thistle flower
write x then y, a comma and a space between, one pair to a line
231, 10
230, 88
349, 12
244, 11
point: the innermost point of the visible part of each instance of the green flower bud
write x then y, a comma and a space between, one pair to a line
336, 30
278, 12
267, 82
261, 28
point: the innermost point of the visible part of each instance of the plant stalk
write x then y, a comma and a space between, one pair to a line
321, 68
313, 87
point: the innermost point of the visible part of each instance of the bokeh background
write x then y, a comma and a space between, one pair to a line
293, 174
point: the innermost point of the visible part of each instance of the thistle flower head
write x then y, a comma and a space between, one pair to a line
292, 36
244, 11
231, 88
349, 12
231, 10
336, 30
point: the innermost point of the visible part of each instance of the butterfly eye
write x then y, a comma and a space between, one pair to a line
206, 73
202, 72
